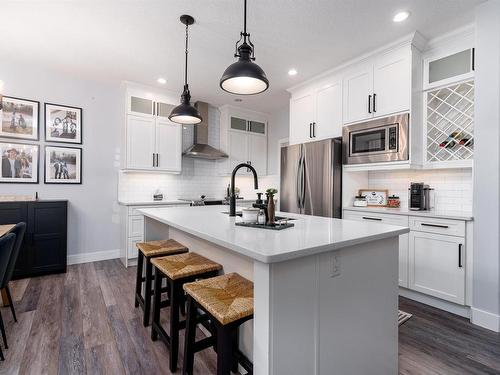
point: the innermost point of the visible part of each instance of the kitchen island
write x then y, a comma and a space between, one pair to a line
325, 291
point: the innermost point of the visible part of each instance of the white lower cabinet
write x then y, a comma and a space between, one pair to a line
437, 265
132, 248
433, 257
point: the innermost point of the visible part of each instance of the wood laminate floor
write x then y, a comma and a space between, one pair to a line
84, 322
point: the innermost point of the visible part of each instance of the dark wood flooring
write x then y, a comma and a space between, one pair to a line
84, 322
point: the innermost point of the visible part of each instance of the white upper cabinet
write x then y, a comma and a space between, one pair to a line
316, 113
152, 142
243, 136
358, 94
328, 123
168, 145
392, 83
140, 142
301, 118
379, 87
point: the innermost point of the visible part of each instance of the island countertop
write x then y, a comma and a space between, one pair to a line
310, 235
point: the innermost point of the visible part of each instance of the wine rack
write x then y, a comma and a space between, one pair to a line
450, 123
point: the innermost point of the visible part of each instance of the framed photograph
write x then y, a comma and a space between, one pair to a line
19, 118
63, 124
19, 163
63, 165
375, 198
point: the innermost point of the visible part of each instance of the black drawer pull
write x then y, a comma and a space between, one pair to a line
460, 255
372, 218
435, 225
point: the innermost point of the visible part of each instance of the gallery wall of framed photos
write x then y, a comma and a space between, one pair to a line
20, 145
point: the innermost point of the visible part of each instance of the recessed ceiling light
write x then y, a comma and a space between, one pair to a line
401, 16
292, 72
161, 80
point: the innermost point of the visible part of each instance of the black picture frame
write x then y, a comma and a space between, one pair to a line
6, 134
19, 180
62, 107
63, 181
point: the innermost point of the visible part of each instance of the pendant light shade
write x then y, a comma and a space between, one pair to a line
185, 113
244, 77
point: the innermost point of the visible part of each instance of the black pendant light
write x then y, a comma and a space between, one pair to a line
185, 113
244, 77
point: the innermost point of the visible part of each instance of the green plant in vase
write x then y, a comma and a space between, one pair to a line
271, 207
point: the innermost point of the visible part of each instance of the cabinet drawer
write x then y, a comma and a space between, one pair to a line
136, 226
440, 226
377, 218
132, 248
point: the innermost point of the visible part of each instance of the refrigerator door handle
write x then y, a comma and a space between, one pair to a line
297, 182
303, 182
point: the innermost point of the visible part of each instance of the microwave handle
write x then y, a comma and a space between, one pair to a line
369, 104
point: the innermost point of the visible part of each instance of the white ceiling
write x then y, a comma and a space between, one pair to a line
143, 40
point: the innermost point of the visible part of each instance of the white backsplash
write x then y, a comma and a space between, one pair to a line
198, 176
452, 187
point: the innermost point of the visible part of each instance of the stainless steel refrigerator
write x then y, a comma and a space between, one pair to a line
311, 178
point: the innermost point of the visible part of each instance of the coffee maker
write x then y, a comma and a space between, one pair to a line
420, 197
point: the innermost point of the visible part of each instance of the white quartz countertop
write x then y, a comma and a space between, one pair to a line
166, 202
453, 215
310, 235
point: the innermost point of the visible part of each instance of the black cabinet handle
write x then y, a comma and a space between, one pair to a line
369, 104
310, 130
314, 130
372, 218
153, 160
473, 59
435, 225
374, 103
157, 160
460, 256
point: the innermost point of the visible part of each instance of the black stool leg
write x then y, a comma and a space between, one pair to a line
235, 346
174, 324
1, 355
156, 304
188, 365
2, 328
147, 292
224, 350
11, 304
138, 280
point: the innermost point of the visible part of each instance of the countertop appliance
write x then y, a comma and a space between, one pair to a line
203, 201
377, 141
311, 178
420, 197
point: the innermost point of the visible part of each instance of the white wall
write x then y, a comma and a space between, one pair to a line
486, 283
92, 220
452, 187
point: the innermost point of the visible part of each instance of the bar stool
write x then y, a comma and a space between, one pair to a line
227, 300
147, 251
177, 270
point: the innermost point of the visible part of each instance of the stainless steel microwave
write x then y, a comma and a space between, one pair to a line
377, 141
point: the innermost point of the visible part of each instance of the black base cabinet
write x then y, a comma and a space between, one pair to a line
44, 248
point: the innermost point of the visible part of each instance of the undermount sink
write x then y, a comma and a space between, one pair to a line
277, 218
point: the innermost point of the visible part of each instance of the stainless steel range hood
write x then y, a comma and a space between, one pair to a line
201, 149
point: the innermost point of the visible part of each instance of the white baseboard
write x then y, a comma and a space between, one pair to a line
485, 319
436, 302
93, 257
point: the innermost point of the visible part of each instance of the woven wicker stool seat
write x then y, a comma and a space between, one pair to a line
227, 297
176, 270
161, 247
185, 265
147, 251
227, 301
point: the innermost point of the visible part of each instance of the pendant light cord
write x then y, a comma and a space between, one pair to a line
186, 65
245, 21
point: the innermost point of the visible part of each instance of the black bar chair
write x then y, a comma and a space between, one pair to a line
228, 302
176, 270
6, 247
19, 231
147, 251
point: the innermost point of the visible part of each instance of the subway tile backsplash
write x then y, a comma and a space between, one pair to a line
452, 187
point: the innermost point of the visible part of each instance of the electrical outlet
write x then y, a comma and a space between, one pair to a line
335, 270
